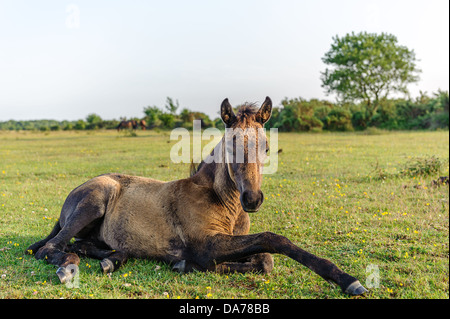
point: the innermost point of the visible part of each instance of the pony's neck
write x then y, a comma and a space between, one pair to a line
216, 176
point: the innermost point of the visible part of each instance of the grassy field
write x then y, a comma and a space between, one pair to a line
340, 196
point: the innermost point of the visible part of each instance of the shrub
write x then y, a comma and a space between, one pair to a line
339, 120
422, 166
168, 120
80, 125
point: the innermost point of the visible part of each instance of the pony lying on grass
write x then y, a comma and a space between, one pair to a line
200, 222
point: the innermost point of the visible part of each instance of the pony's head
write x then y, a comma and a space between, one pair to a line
245, 148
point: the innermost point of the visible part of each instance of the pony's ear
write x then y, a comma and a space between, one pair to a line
265, 111
226, 113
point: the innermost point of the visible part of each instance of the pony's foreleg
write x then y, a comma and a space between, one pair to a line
260, 263
228, 248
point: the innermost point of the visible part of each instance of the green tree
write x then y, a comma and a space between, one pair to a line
367, 67
152, 114
80, 125
172, 106
94, 121
298, 115
186, 116
168, 120
339, 119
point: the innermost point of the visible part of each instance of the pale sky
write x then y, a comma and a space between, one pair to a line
65, 59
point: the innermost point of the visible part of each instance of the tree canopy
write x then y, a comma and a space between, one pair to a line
367, 67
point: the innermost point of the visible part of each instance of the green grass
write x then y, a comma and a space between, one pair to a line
327, 197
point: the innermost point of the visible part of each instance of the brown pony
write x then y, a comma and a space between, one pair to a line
143, 124
200, 222
132, 124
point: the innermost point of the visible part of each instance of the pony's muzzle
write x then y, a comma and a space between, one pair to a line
251, 201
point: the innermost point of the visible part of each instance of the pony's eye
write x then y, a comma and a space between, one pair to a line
267, 150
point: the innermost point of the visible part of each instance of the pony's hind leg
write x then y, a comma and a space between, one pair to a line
80, 215
60, 258
91, 248
32, 249
55, 253
111, 259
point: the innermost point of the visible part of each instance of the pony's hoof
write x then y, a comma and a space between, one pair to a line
64, 274
355, 289
180, 266
107, 266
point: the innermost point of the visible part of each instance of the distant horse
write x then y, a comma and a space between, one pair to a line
143, 124
132, 124
200, 222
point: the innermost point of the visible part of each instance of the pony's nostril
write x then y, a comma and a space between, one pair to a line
252, 200
245, 198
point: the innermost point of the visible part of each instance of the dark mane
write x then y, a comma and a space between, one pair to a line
245, 110
193, 169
